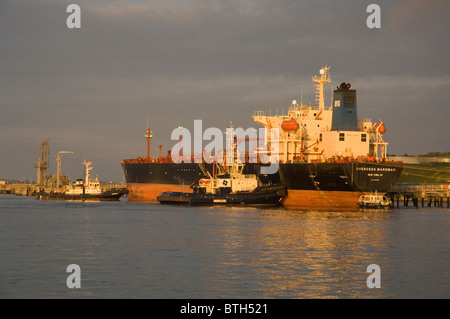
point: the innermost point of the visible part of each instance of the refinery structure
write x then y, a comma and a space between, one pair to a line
42, 165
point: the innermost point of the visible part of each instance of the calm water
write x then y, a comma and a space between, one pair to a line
136, 250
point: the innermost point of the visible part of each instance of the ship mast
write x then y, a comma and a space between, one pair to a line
87, 164
321, 80
148, 136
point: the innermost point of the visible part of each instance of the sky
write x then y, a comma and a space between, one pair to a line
93, 90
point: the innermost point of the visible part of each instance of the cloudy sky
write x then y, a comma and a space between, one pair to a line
91, 90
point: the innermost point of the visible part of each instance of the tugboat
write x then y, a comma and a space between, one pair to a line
374, 201
87, 190
229, 187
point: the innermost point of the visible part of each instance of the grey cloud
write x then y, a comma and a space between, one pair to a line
213, 60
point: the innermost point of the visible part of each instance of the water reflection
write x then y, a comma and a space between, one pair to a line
305, 254
366, 214
136, 250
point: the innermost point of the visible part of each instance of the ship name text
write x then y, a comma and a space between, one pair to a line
376, 169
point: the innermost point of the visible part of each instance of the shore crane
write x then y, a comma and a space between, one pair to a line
58, 165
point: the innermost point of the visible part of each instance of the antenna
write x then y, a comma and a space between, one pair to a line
331, 96
301, 96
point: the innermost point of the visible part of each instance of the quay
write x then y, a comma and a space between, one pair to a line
424, 195
20, 189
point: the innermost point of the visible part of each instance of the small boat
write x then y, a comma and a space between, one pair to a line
374, 201
231, 187
85, 190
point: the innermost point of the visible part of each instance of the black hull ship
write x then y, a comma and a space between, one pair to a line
309, 185
327, 157
88, 190
112, 195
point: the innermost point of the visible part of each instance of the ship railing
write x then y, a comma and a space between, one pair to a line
358, 159
294, 108
348, 129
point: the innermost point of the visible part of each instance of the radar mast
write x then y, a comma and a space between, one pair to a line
321, 80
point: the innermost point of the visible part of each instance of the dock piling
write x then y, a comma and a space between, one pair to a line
425, 193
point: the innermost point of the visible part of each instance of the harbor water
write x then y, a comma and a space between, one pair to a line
143, 250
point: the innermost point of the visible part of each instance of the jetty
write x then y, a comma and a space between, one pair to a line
421, 195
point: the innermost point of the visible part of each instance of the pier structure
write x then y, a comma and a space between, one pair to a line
421, 195
20, 189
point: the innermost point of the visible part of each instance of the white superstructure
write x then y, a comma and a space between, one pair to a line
313, 134
232, 179
91, 187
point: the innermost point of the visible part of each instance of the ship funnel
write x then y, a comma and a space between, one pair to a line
345, 117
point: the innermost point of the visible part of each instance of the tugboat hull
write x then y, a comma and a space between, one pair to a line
106, 196
267, 196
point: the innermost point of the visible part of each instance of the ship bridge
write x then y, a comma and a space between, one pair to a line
315, 133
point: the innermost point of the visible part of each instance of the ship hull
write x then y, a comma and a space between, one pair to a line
346, 176
267, 196
335, 186
148, 192
146, 181
321, 200
107, 196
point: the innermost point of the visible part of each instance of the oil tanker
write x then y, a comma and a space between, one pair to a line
326, 157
